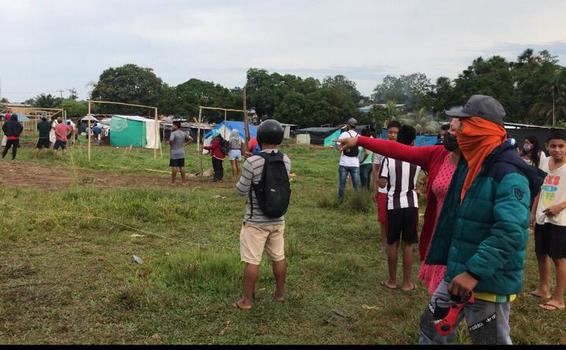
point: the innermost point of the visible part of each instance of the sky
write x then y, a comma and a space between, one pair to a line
49, 46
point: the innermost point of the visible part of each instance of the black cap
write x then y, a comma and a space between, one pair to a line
482, 106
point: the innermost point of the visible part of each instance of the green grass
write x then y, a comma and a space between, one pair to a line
66, 271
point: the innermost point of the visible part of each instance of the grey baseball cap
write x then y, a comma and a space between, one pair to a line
352, 122
482, 106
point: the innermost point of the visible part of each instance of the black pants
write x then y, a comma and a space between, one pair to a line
11, 143
218, 169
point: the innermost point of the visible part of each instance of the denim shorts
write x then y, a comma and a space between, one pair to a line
235, 154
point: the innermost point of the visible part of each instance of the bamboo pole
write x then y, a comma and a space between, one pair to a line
156, 135
88, 130
198, 139
221, 109
246, 121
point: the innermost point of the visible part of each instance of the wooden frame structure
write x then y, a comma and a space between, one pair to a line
157, 138
16, 108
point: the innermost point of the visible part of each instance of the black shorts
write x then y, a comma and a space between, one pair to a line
402, 224
177, 163
60, 144
43, 143
550, 240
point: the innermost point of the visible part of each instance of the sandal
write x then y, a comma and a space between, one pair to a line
384, 284
550, 307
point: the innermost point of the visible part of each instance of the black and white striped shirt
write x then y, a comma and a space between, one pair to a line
402, 181
251, 171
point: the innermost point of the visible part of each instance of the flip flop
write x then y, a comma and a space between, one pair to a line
535, 294
240, 306
279, 300
414, 286
550, 307
383, 284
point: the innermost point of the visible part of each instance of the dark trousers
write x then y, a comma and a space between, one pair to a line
365, 175
11, 143
218, 169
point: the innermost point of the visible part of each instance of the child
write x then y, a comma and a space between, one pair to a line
263, 226
550, 228
402, 211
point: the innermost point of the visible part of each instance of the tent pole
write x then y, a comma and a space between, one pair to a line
198, 139
246, 126
88, 131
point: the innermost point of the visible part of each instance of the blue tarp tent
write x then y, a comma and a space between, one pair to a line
225, 128
422, 140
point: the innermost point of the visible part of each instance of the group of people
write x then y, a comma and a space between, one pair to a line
219, 149
52, 135
481, 197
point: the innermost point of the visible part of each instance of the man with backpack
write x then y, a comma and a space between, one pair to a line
349, 162
265, 180
218, 151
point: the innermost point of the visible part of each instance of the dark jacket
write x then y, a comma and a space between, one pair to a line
12, 129
486, 233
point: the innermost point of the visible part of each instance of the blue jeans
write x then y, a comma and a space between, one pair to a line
343, 175
365, 175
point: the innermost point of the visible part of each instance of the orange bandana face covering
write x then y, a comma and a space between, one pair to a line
477, 139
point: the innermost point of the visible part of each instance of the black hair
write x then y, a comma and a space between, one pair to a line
177, 124
557, 134
534, 153
393, 124
366, 131
407, 134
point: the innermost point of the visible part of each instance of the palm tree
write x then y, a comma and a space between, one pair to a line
422, 121
556, 87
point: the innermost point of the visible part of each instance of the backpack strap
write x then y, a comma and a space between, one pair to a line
264, 156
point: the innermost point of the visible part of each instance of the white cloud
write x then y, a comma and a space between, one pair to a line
59, 44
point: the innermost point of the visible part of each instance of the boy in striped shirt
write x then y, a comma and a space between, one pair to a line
402, 211
258, 231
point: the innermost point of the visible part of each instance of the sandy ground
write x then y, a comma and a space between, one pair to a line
51, 178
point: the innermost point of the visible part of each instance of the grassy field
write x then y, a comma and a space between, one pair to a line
67, 276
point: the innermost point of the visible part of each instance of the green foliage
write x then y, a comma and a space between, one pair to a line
129, 84
411, 90
75, 108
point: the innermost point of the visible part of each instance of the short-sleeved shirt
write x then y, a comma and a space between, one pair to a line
378, 160
402, 182
553, 191
178, 139
61, 132
44, 127
345, 160
235, 143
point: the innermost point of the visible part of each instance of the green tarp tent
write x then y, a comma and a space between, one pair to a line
126, 131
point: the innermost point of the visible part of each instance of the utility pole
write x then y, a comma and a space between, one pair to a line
60, 92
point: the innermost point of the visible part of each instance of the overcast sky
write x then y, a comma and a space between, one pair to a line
51, 45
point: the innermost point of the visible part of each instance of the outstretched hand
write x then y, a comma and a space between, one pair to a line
347, 143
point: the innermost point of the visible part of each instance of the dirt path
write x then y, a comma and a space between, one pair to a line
51, 178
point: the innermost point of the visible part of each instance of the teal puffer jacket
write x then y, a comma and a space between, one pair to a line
486, 234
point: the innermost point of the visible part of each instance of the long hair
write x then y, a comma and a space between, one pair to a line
534, 153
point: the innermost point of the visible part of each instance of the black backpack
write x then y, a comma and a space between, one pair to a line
273, 191
351, 152
224, 146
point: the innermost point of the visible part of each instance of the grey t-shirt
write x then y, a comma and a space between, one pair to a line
178, 139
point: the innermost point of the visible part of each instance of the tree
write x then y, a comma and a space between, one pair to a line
75, 108
73, 94
129, 84
411, 90
46, 101
422, 121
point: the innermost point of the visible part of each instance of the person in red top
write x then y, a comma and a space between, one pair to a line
218, 156
440, 162
62, 131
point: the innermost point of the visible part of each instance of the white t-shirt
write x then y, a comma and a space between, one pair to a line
378, 160
345, 160
553, 191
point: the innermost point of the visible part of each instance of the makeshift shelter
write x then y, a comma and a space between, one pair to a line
321, 136
126, 131
225, 128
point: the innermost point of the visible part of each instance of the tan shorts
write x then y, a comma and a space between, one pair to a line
254, 238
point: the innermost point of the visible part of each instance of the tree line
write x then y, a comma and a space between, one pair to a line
532, 88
